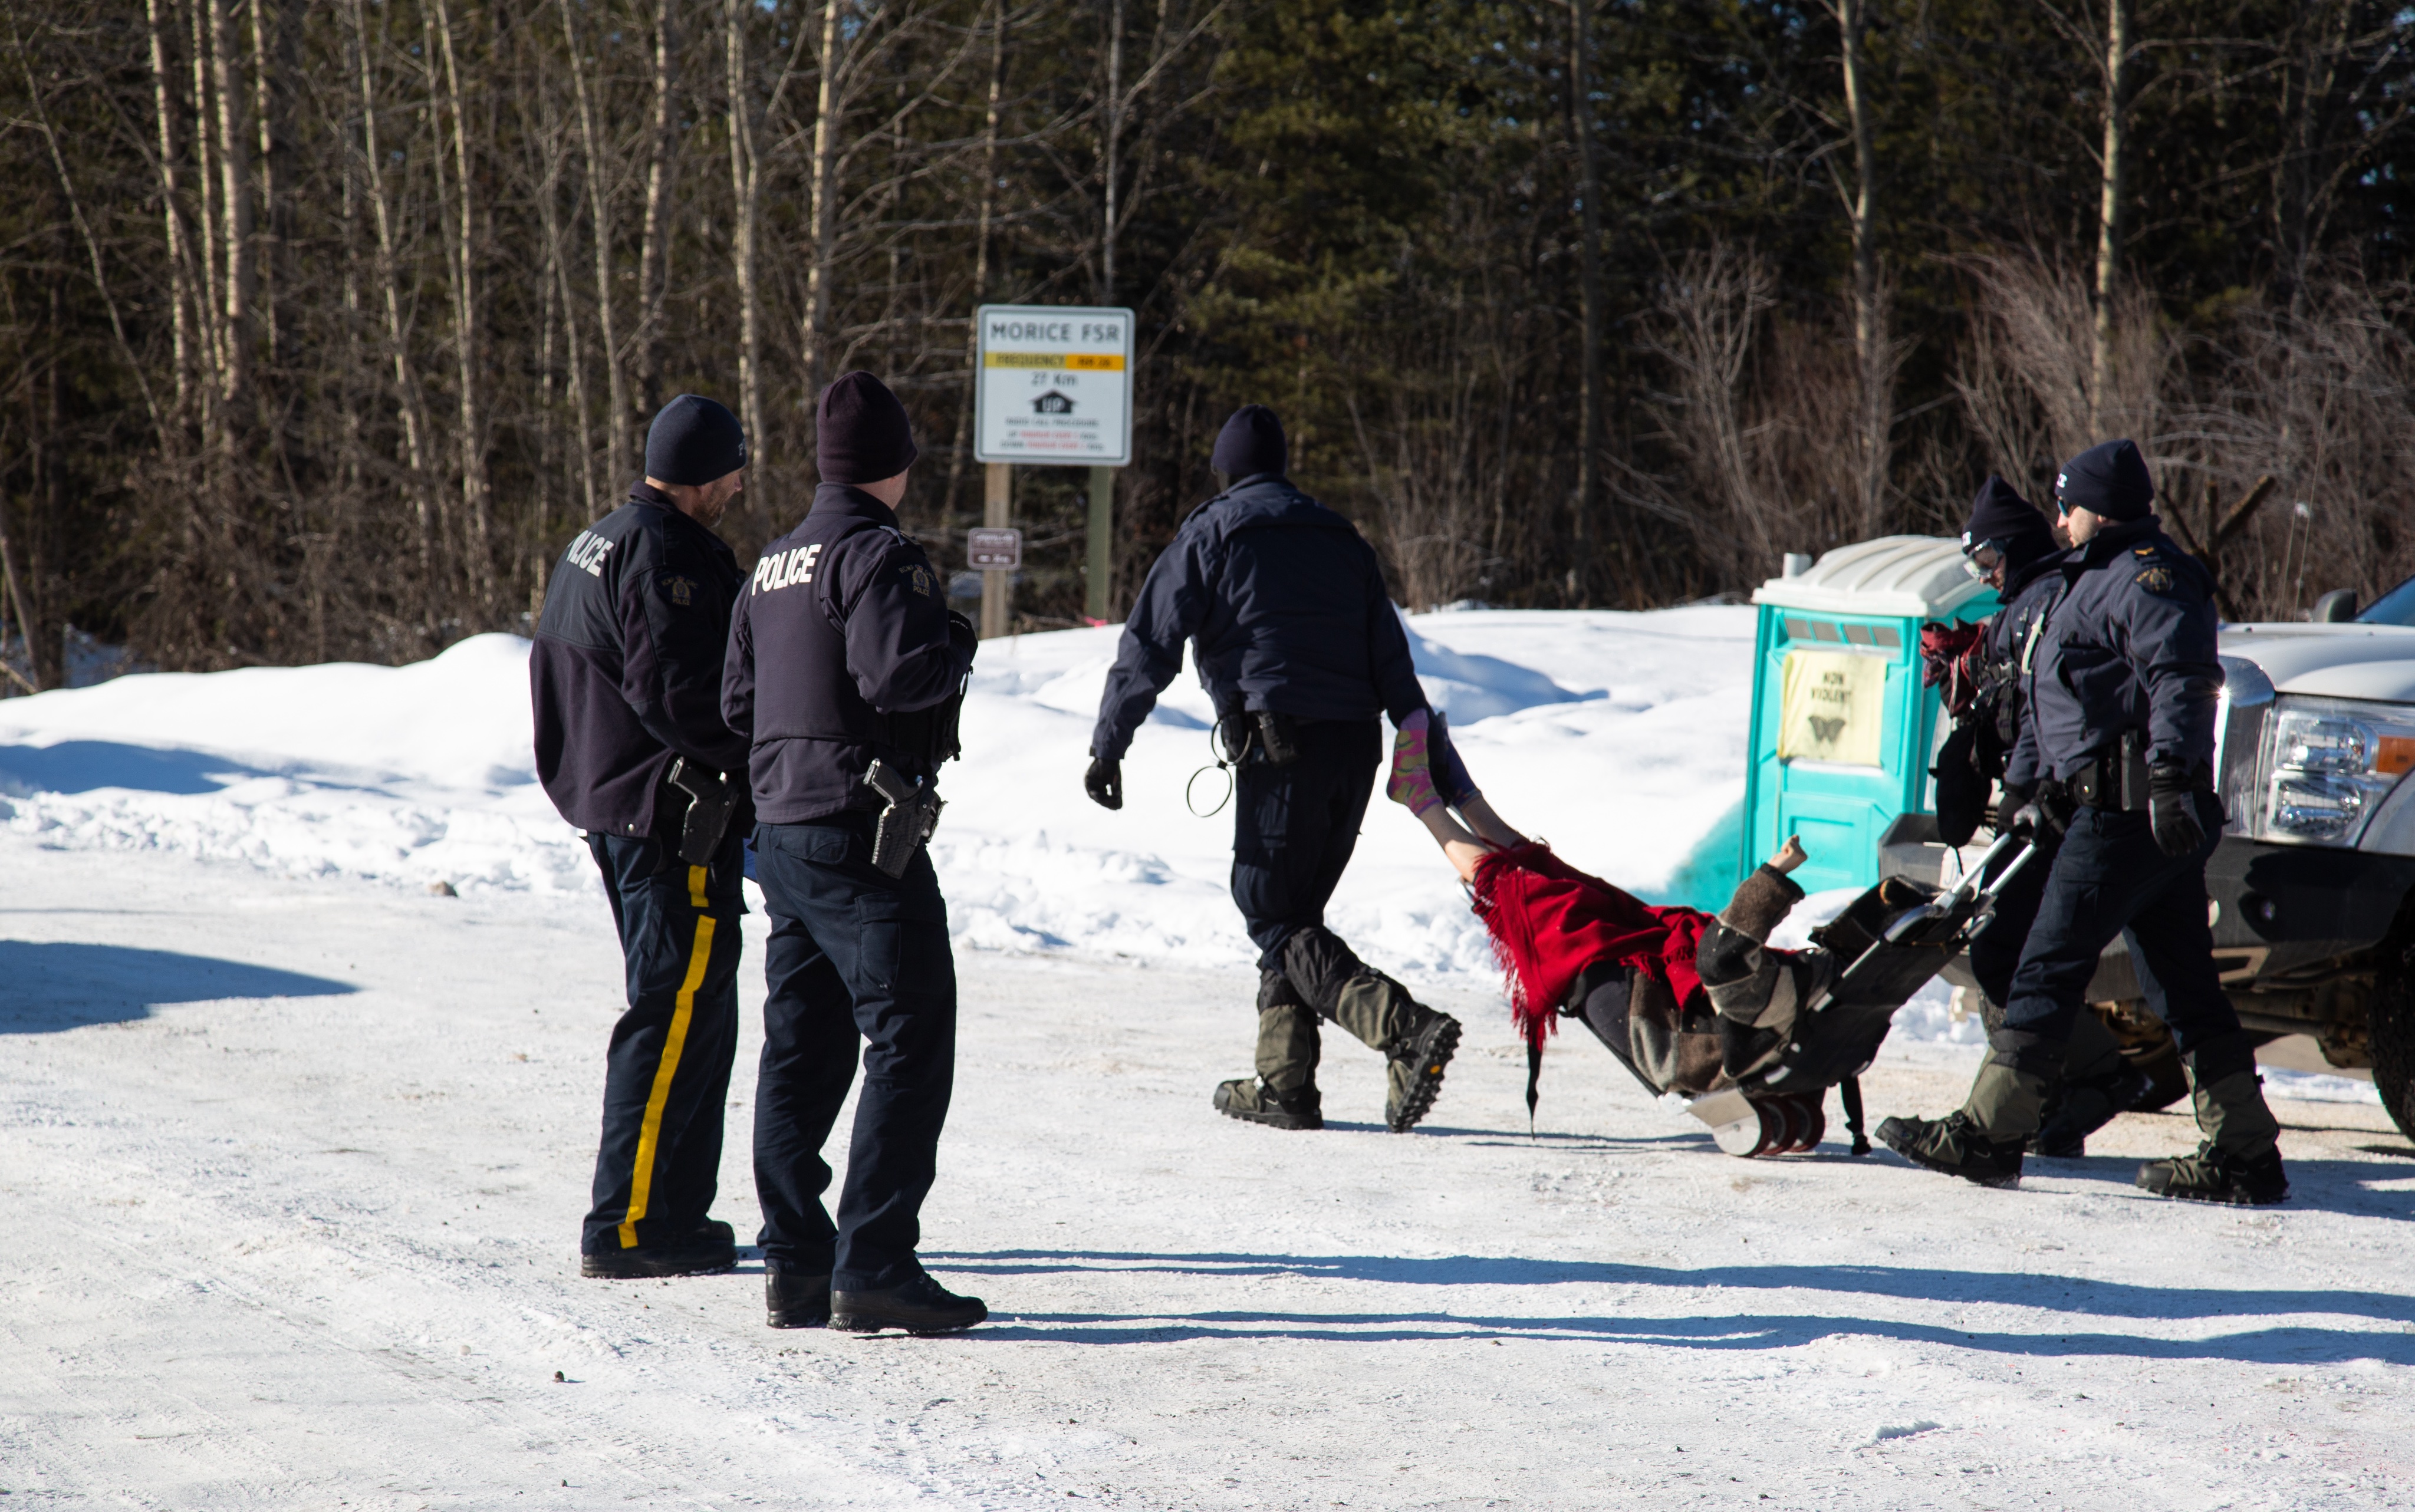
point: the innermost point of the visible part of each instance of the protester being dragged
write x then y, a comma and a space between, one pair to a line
846, 670
1301, 649
625, 678
2010, 547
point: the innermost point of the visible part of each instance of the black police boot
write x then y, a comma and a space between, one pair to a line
1957, 1146
1417, 1064
1254, 1102
920, 1306
795, 1301
711, 1247
2082, 1108
2212, 1175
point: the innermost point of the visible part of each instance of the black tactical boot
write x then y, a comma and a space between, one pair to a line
710, 1248
795, 1301
1254, 1102
2211, 1177
2082, 1108
1957, 1146
920, 1306
1415, 1073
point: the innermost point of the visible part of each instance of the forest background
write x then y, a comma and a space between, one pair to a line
325, 325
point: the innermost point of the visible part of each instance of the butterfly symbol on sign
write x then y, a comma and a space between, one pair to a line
1826, 730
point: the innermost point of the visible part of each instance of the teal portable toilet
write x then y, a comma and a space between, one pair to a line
1842, 731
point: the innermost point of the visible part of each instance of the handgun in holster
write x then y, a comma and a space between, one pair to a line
712, 800
911, 814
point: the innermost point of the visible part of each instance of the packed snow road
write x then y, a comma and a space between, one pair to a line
294, 1168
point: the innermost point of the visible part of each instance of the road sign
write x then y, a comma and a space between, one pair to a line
1054, 385
993, 550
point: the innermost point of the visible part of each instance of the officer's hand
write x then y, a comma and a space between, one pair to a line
1105, 783
2172, 810
2025, 821
962, 637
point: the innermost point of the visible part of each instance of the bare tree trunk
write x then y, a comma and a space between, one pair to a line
1110, 140
822, 203
406, 382
653, 247
180, 290
478, 549
2108, 216
1585, 545
271, 48
966, 414
210, 307
1873, 360
235, 168
599, 198
744, 177
557, 271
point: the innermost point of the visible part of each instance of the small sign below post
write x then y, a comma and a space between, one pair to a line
1054, 385
993, 550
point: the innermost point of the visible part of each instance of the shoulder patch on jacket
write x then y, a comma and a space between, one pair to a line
678, 589
918, 578
2156, 578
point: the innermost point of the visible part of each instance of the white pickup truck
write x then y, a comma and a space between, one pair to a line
2313, 886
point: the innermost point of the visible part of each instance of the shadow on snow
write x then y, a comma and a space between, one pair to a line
50, 986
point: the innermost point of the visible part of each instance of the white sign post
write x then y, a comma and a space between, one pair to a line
1052, 387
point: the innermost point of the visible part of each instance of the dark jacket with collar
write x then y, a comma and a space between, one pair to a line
843, 624
2129, 646
1287, 603
625, 670
2005, 650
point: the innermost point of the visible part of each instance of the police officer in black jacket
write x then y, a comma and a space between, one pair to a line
2011, 548
625, 675
2123, 685
1300, 650
846, 670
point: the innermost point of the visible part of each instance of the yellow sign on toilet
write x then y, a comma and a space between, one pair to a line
1832, 708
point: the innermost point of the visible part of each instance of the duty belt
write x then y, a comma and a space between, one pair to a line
2117, 781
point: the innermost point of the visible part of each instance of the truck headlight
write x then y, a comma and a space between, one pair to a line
2330, 762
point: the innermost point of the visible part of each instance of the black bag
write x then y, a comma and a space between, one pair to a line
1961, 787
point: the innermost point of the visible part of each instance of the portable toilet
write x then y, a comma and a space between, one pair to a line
1843, 733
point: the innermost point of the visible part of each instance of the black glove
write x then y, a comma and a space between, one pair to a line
2171, 809
962, 637
1104, 783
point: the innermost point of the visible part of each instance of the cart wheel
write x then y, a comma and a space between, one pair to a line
1786, 1114
1745, 1137
2393, 1039
1815, 1122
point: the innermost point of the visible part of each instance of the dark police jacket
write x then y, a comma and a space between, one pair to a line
843, 625
2129, 647
2003, 651
625, 673
1287, 604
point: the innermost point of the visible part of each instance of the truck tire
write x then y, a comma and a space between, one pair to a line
2394, 1038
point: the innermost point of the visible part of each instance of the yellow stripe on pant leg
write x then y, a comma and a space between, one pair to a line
641, 1181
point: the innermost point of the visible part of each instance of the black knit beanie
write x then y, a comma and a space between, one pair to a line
2109, 478
1251, 442
863, 435
693, 441
2000, 515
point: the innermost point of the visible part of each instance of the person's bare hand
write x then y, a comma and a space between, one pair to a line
1790, 857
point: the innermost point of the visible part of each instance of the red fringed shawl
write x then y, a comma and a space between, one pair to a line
1549, 921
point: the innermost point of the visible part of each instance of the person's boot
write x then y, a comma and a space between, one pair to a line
795, 1301
919, 1306
1983, 1140
2239, 1159
2082, 1108
1414, 1041
1284, 1094
1253, 1101
713, 1247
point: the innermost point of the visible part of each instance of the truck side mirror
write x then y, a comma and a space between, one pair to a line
2338, 606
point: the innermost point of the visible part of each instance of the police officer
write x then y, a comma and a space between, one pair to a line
2011, 548
1299, 647
2123, 682
626, 676
846, 671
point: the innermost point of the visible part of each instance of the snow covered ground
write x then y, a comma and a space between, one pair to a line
296, 1152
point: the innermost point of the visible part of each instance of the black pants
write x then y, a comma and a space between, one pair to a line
667, 1077
1996, 954
1295, 827
2109, 877
854, 955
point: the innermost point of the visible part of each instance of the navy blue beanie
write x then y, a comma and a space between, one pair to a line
2000, 515
694, 441
2109, 478
863, 435
1251, 442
